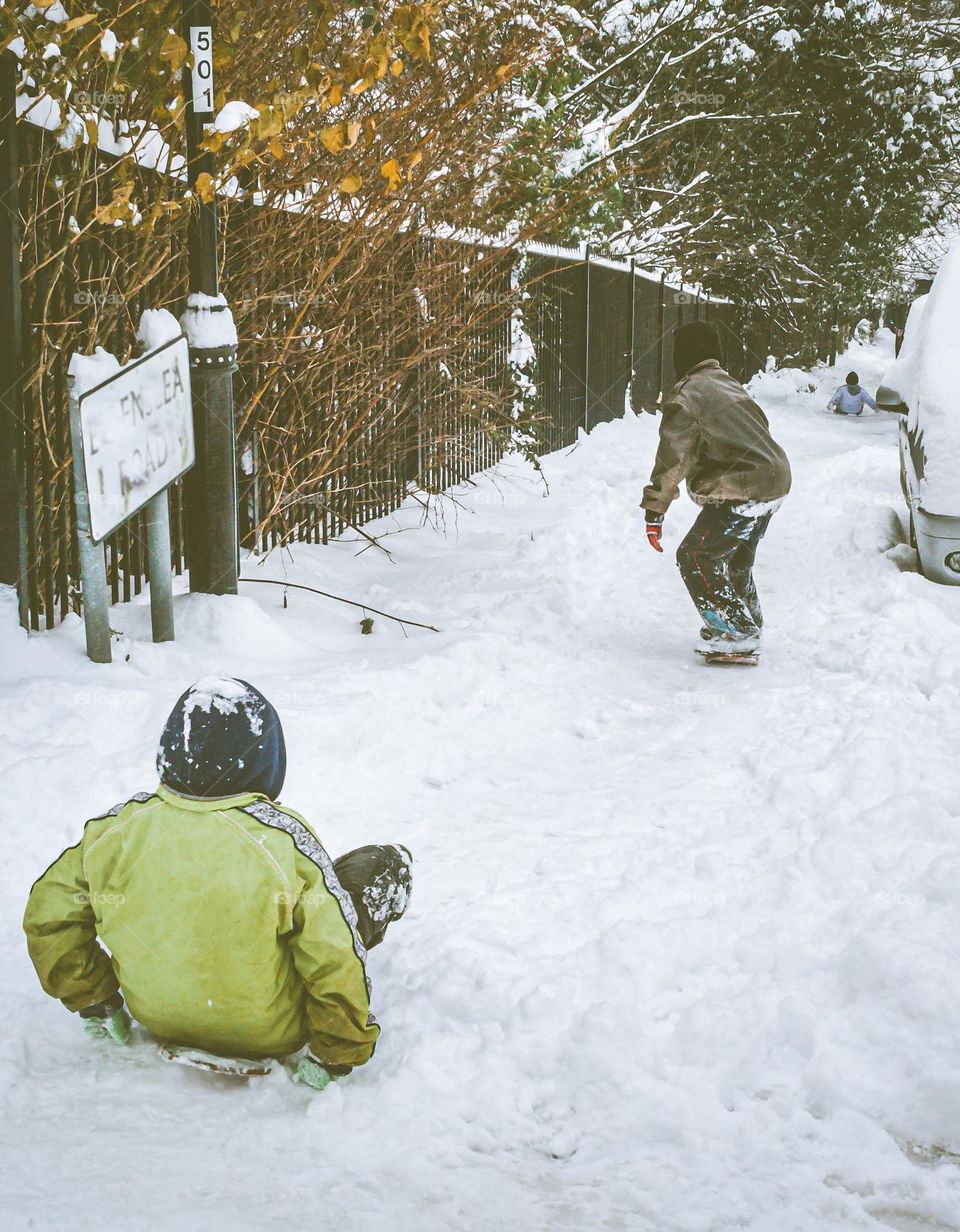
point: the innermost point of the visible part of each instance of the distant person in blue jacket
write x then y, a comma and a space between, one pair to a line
849, 398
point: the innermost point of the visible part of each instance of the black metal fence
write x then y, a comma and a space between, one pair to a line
598, 331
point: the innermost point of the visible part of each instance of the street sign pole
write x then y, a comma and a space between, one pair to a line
157, 522
211, 488
93, 569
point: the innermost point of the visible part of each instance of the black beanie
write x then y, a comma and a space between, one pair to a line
222, 738
692, 344
852, 378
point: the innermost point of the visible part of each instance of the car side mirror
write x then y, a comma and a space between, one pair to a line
889, 400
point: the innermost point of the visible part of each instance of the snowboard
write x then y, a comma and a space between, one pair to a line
726, 658
233, 1067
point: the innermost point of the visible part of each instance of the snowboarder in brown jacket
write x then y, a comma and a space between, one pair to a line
716, 438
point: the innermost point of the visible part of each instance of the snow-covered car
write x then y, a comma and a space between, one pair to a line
924, 385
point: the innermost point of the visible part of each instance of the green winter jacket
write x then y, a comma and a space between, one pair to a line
224, 926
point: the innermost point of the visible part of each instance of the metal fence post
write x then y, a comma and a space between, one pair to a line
661, 324
211, 487
633, 328
13, 493
834, 334
93, 569
586, 339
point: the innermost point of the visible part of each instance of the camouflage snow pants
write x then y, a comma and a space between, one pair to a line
716, 563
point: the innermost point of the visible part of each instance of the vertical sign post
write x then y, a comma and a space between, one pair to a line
211, 488
156, 516
93, 569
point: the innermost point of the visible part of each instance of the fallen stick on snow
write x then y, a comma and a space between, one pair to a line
365, 607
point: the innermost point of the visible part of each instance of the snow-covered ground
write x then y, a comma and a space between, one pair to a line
683, 948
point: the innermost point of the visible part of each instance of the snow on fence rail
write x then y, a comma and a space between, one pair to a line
345, 398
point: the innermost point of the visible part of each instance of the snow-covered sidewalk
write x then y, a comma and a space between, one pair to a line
682, 951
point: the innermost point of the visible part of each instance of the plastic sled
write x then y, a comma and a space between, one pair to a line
233, 1067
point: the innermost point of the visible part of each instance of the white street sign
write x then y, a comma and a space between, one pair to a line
201, 44
137, 433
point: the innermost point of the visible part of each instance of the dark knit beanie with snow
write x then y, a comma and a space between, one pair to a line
222, 738
693, 343
852, 378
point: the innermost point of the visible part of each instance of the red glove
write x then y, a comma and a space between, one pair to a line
654, 530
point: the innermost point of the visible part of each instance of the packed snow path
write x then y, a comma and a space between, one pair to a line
682, 953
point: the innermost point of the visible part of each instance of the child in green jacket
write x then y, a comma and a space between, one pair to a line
214, 912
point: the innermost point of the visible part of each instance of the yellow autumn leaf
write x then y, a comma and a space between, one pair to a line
396, 68
75, 22
413, 161
354, 128
335, 95
276, 148
213, 142
391, 172
119, 209
351, 183
204, 186
174, 49
334, 138
267, 123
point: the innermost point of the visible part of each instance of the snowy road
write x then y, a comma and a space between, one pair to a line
682, 954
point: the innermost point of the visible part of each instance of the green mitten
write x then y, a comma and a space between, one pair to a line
312, 1074
107, 1021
